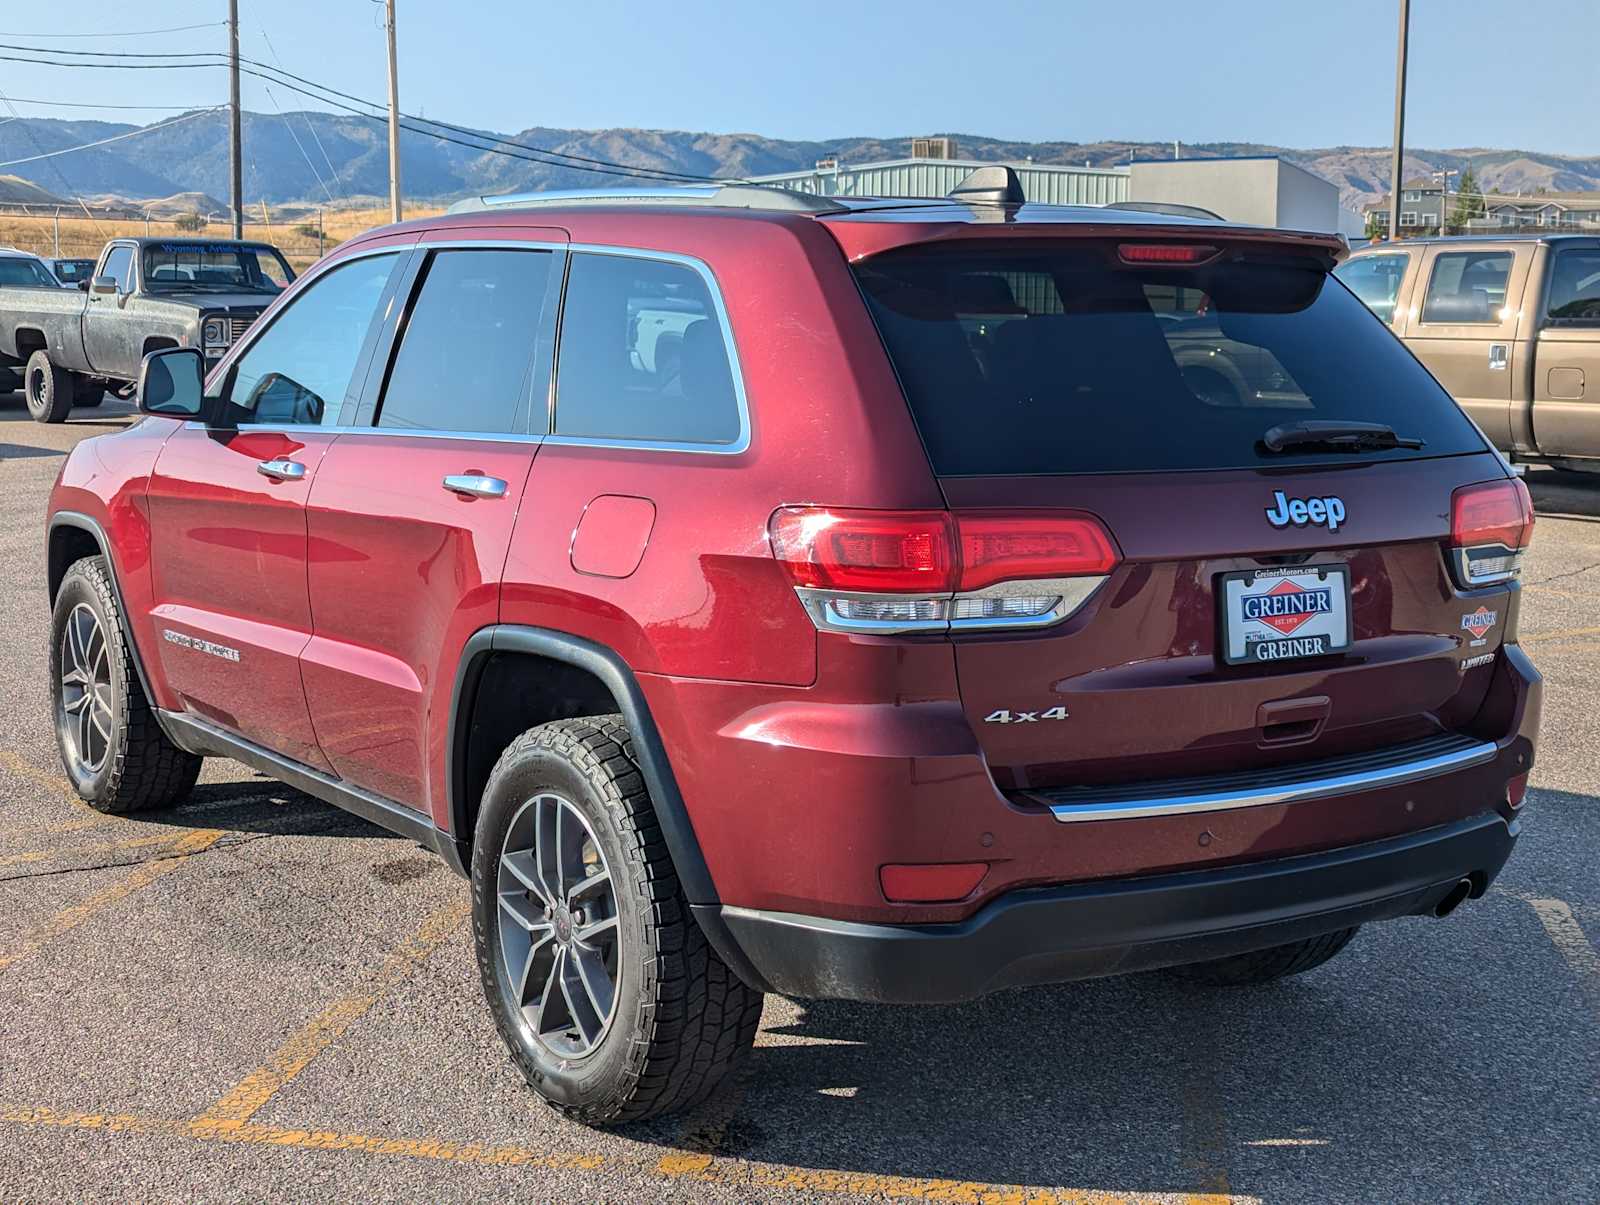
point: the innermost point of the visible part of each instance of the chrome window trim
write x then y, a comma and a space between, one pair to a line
394, 432
1289, 792
739, 445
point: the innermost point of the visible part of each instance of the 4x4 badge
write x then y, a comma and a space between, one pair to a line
1320, 512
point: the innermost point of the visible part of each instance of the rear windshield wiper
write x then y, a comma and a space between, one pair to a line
1334, 437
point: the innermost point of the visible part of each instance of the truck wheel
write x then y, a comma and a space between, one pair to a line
1263, 966
111, 746
614, 1006
47, 389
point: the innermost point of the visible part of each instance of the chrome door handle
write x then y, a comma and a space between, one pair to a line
282, 470
475, 485
1499, 355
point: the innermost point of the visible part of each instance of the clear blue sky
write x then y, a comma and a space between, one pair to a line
1291, 72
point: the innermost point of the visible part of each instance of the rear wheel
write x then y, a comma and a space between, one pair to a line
47, 389
1263, 966
614, 1006
111, 746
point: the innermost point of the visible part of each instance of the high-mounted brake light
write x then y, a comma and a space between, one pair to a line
1490, 524
917, 571
1165, 253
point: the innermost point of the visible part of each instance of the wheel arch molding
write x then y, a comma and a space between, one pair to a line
612, 672
63, 550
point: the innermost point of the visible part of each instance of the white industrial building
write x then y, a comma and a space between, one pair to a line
1264, 191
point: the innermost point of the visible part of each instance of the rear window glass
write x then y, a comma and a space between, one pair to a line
1468, 286
1065, 361
1575, 288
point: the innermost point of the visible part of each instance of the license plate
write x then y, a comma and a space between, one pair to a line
1283, 614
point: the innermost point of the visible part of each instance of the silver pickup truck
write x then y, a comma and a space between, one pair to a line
69, 346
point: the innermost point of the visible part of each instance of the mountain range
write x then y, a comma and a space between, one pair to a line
332, 158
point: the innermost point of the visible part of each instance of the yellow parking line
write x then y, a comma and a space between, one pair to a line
147, 873
103, 847
57, 785
701, 1169
1572, 942
290, 1059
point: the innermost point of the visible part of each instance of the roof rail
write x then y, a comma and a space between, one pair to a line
725, 196
1170, 208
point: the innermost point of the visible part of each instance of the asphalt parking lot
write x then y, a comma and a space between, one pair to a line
255, 993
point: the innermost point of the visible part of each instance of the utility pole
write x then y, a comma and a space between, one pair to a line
394, 117
1397, 169
235, 138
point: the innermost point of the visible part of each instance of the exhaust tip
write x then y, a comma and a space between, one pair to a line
1454, 899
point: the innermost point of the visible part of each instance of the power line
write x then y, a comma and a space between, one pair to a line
127, 33
87, 104
114, 138
640, 171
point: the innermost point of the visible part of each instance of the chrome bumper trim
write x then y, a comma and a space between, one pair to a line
1086, 807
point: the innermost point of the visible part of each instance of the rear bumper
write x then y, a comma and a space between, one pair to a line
1048, 935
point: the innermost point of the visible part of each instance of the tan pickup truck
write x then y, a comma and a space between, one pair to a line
1510, 326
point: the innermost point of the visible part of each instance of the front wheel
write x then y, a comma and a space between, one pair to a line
613, 1005
112, 747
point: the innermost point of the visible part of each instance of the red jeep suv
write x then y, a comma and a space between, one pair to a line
891, 600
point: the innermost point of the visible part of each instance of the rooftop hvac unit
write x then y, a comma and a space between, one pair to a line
933, 148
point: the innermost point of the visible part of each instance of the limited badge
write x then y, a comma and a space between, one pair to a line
1479, 623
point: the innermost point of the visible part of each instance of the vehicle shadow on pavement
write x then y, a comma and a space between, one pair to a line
1556, 491
1145, 1083
23, 451
262, 805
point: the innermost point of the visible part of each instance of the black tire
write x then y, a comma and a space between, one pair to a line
1263, 966
47, 389
125, 763
681, 1020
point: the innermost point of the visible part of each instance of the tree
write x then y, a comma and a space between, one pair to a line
1469, 202
191, 222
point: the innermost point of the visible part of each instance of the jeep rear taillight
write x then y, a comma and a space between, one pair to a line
1490, 524
928, 571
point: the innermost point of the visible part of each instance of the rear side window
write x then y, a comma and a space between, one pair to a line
466, 358
1575, 288
1376, 280
1467, 286
1062, 360
643, 355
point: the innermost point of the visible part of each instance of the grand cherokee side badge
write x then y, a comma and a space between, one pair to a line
1320, 512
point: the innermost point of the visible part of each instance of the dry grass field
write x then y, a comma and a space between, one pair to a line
296, 238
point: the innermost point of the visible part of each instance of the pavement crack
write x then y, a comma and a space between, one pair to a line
1556, 577
161, 857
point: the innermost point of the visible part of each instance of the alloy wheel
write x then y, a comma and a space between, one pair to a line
86, 690
559, 934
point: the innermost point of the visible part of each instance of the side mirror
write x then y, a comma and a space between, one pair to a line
104, 285
172, 383
83, 285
